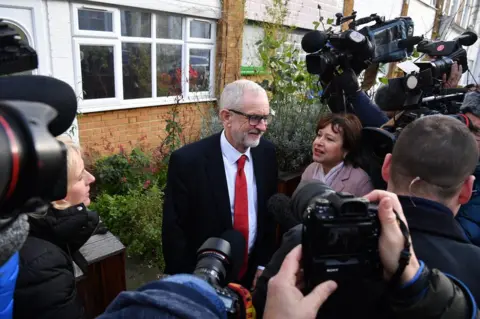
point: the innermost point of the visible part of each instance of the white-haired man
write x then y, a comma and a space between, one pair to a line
223, 182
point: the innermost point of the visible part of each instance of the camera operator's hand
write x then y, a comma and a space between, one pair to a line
392, 241
284, 298
456, 71
348, 81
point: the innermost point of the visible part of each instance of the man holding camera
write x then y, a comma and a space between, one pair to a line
431, 170
371, 115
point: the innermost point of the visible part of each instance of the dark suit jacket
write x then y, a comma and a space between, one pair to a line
197, 204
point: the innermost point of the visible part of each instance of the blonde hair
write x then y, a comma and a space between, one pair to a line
74, 155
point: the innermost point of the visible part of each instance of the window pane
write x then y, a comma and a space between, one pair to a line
98, 78
199, 73
137, 70
200, 29
169, 69
94, 20
169, 27
136, 24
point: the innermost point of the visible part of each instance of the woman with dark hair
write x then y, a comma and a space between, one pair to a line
335, 155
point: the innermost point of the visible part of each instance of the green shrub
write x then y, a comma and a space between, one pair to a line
119, 173
136, 218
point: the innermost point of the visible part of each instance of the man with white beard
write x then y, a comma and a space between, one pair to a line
223, 182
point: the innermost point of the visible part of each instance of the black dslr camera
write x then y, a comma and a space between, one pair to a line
340, 239
218, 262
214, 265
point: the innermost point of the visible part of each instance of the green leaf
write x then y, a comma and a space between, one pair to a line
258, 42
330, 21
383, 80
415, 54
316, 24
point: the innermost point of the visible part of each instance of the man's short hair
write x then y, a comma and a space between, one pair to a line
471, 103
437, 149
233, 93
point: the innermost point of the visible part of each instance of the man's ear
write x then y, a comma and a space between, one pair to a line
466, 190
224, 115
386, 167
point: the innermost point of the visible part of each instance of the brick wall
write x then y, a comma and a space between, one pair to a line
104, 132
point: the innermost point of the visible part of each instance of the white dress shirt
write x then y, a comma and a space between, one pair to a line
230, 158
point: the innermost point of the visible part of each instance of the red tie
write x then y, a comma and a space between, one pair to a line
240, 210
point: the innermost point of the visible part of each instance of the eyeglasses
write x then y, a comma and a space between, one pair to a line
254, 119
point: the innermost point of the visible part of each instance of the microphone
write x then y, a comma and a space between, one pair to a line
279, 205
467, 38
237, 249
314, 41
409, 43
44, 89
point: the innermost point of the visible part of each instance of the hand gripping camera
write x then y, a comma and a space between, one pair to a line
340, 235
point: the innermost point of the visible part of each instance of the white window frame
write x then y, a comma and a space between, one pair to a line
115, 39
117, 52
90, 33
213, 33
200, 94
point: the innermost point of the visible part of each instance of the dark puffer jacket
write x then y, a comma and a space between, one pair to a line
46, 282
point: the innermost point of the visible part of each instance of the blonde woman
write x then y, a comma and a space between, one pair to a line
46, 282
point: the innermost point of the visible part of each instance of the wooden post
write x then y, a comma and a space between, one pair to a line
393, 65
436, 21
347, 10
229, 43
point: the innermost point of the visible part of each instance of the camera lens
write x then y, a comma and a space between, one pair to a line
213, 261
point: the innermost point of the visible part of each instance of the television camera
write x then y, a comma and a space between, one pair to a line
420, 92
33, 109
422, 83
330, 53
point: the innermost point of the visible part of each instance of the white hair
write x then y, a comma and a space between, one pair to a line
233, 93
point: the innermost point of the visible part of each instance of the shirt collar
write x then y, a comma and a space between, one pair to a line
231, 153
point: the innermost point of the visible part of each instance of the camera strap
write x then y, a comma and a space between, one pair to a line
405, 254
247, 311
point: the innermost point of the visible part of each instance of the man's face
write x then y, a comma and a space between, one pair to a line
242, 132
476, 123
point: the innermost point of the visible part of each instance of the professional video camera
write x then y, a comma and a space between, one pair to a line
330, 53
32, 109
422, 84
218, 263
446, 53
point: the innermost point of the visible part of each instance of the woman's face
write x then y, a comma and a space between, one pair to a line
328, 147
79, 191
